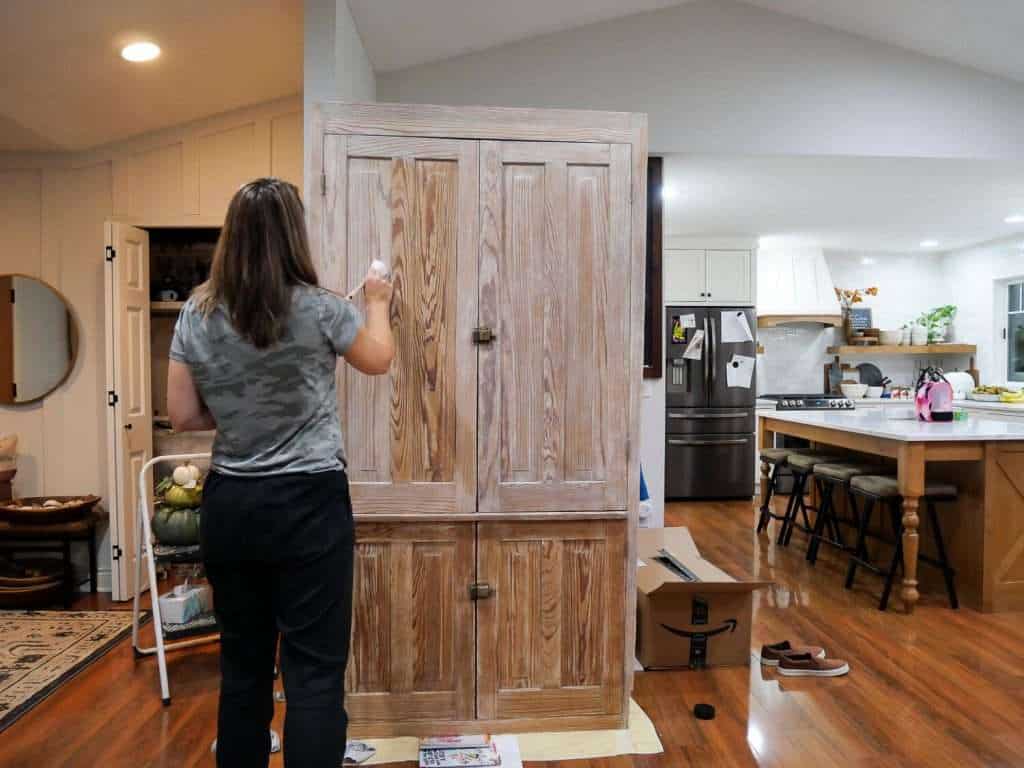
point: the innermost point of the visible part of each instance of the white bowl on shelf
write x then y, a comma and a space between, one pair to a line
853, 391
875, 392
890, 338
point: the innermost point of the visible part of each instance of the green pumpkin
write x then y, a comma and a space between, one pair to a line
176, 527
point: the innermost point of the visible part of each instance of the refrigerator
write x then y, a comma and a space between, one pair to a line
710, 390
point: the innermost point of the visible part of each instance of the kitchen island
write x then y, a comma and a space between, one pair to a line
983, 455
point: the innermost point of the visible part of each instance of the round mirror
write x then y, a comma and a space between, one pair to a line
37, 339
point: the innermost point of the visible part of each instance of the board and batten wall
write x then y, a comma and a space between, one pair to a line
52, 212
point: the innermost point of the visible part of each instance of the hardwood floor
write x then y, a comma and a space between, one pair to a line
939, 688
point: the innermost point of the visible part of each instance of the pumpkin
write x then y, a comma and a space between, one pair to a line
182, 498
176, 527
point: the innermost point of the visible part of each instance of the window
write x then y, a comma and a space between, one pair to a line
1015, 332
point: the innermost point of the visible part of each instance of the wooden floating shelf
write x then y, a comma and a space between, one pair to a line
905, 349
166, 307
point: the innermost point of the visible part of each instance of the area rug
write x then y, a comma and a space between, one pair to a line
40, 650
639, 739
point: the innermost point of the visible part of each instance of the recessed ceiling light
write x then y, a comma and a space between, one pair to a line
867, 260
1015, 218
669, 192
929, 243
141, 51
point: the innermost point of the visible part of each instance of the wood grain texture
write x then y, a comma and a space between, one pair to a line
412, 631
555, 277
549, 641
412, 204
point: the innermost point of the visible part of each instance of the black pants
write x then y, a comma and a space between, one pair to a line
278, 552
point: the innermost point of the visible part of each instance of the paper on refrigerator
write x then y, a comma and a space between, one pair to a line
739, 371
735, 327
695, 349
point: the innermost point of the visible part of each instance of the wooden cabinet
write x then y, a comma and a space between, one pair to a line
500, 450
550, 636
412, 648
721, 272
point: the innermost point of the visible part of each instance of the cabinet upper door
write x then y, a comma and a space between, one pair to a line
729, 277
685, 276
555, 288
412, 203
551, 636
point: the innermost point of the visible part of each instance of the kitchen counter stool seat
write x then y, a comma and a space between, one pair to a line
776, 459
885, 489
827, 476
800, 462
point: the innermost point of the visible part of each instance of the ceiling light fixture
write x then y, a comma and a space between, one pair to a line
669, 192
929, 243
867, 260
141, 51
1015, 218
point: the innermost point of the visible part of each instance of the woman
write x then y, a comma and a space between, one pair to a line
254, 356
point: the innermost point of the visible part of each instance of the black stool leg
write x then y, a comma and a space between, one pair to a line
824, 513
790, 512
940, 548
766, 507
897, 558
799, 488
863, 521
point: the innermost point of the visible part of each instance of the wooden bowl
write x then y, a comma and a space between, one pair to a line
22, 573
31, 510
6, 475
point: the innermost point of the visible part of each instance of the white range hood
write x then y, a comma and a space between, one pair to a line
794, 285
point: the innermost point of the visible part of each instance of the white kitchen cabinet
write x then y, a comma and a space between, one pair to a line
715, 272
685, 276
728, 277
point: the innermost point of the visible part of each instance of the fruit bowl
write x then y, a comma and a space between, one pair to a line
37, 510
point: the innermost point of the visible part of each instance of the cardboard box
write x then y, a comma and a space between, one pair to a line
690, 613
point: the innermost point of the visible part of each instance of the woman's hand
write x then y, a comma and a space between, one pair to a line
376, 289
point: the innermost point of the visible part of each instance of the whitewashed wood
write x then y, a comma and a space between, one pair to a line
130, 436
555, 287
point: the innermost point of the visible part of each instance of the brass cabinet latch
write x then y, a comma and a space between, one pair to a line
484, 335
480, 590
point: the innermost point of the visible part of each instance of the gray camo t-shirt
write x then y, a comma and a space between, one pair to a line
276, 408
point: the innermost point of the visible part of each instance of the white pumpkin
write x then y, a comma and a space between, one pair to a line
182, 474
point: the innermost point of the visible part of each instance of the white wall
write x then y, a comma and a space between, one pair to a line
717, 76
971, 275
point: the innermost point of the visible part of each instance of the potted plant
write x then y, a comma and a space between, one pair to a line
847, 298
938, 321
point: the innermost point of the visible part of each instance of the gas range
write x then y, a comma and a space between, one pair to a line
813, 402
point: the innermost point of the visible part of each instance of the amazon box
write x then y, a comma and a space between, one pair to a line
690, 613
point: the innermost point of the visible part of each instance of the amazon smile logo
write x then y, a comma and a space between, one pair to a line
728, 626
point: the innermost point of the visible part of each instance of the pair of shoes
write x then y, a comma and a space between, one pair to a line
802, 660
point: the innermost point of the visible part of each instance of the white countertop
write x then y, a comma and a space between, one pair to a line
873, 422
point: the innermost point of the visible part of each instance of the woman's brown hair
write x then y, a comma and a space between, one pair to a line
262, 252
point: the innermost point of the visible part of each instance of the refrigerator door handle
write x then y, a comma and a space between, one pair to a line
714, 352
707, 359
727, 441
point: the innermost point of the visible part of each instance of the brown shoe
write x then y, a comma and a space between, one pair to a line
806, 665
771, 654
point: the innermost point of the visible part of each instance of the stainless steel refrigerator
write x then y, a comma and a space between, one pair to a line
709, 402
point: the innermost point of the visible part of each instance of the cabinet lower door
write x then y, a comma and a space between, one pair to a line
412, 623
551, 634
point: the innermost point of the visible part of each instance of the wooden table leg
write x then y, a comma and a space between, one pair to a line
766, 440
911, 480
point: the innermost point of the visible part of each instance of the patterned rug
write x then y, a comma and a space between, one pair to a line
39, 650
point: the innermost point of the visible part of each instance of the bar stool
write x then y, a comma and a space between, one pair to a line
801, 464
775, 459
827, 477
885, 489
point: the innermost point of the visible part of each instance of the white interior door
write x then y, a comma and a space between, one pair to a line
129, 393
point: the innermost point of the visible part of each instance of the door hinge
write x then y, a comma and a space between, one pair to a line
12, 295
115, 552
1004, 330
111, 253
484, 335
480, 590
14, 390
323, 184
111, 398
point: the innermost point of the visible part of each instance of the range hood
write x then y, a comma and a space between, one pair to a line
794, 285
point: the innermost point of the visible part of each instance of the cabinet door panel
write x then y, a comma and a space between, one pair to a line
551, 635
412, 203
412, 623
729, 277
554, 285
685, 276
